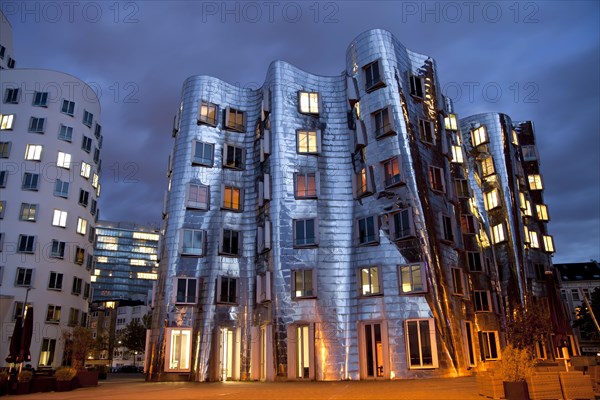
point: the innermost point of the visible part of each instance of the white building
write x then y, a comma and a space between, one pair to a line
49, 178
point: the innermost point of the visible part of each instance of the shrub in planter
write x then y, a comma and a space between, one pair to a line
515, 367
64, 378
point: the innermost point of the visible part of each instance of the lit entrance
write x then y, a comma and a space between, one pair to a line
263, 353
226, 354
302, 353
372, 350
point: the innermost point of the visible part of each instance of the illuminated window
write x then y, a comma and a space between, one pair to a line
490, 345
401, 225
23, 277
235, 120
367, 230
391, 169
233, 157
207, 113
522, 201
515, 138
306, 185
534, 241
81, 226
308, 142
231, 243
61, 188
30, 181
459, 282
421, 346
427, 130
63, 160
86, 170
36, 125
383, 122
192, 242
370, 281
59, 218
365, 182
457, 154
227, 290
373, 76
197, 197
487, 167
53, 314
187, 289
47, 352
479, 136
463, 190
412, 278
88, 118
178, 351
468, 224
548, 243
450, 122
498, 234
6, 121
86, 144
436, 179
542, 212
232, 198
33, 152
11, 96
527, 211
305, 232
28, 212
491, 199
65, 133
474, 261
535, 182
95, 179
40, 99
416, 86
68, 107
58, 249
304, 283
309, 102
482, 301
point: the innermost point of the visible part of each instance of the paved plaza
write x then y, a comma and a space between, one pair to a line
130, 387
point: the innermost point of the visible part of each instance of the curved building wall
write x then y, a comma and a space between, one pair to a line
39, 244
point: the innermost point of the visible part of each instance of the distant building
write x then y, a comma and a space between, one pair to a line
577, 280
126, 261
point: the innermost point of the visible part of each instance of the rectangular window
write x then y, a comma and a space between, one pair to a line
416, 86
479, 136
192, 242
542, 212
47, 352
5, 149
391, 169
491, 200
40, 99
82, 226
306, 185
26, 244
63, 160
203, 154
232, 198
6, 121
447, 228
450, 122
2, 208
231, 242
263, 287
95, 179
401, 225
88, 118
474, 261
68, 107
58, 249
11, 96
24, 277
93, 207
304, 283
97, 131
198, 197
305, 232
36, 125
73, 317
97, 156
535, 182
53, 314
488, 340
436, 179
179, 349
65, 133
55, 281
3, 178
365, 182
482, 301
469, 343
427, 130
28, 212
235, 120
534, 240
458, 282
61, 188
264, 237
529, 153
79, 255
412, 278
207, 113
77, 284
308, 102
487, 167
86, 294
383, 122
548, 243
233, 157
86, 170
370, 281
421, 347
227, 290
468, 224
59, 218
33, 152
498, 234
187, 289
308, 142
367, 230
84, 197
527, 212
457, 154
86, 144
373, 76
540, 271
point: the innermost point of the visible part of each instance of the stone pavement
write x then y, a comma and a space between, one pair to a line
131, 388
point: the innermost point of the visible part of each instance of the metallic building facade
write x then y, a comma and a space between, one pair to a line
326, 228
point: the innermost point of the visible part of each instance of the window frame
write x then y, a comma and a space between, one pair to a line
24, 277
437, 179
62, 192
303, 242
229, 296
417, 88
238, 154
303, 292
305, 177
68, 107
308, 150
65, 133
408, 232
411, 268
486, 347
381, 129
471, 257
53, 314
479, 136
427, 131
197, 205
26, 244
371, 284
392, 176
432, 343
227, 234
369, 238
31, 181
482, 301
28, 212
310, 102
192, 251
373, 81
206, 162
234, 125
229, 204
204, 118
37, 124
190, 286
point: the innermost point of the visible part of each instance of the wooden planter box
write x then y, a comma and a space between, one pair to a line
544, 385
64, 386
43, 384
516, 390
490, 386
576, 385
87, 378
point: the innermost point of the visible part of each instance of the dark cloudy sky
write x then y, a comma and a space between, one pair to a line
531, 60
